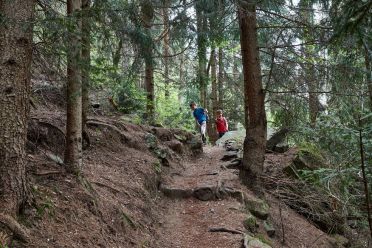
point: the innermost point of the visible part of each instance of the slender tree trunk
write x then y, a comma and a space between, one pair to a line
181, 79
166, 48
117, 54
202, 53
235, 69
255, 140
148, 15
367, 62
149, 84
73, 151
213, 134
310, 79
15, 64
85, 74
220, 78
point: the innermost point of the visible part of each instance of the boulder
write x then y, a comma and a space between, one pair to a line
175, 193
305, 159
235, 164
205, 193
251, 242
175, 145
229, 156
250, 223
163, 134
269, 228
281, 148
277, 138
195, 144
257, 207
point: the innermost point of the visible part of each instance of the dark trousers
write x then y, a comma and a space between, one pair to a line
221, 134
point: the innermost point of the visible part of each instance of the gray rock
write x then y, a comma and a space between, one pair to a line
235, 164
229, 156
269, 228
205, 193
175, 193
281, 148
250, 223
257, 207
251, 242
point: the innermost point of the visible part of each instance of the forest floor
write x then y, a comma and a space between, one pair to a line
127, 197
187, 221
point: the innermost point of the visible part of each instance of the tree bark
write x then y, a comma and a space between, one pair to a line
117, 54
202, 53
255, 116
15, 65
220, 78
149, 83
147, 17
166, 48
85, 57
311, 81
181, 79
367, 63
213, 134
73, 150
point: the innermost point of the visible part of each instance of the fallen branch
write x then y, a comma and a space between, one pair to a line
46, 173
223, 229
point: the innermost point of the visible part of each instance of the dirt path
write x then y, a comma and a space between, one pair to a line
195, 204
188, 219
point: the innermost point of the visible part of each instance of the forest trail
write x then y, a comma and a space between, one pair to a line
187, 220
205, 194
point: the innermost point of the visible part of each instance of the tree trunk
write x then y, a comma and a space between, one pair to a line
181, 79
220, 78
213, 133
367, 63
149, 84
202, 53
15, 64
85, 57
147, 17
255, 141
117, 54
166, 48
73, 155
310, 79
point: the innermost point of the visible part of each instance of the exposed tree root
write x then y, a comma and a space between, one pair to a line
19, 232
123, 137
223, 229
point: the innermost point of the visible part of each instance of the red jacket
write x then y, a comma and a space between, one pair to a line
221, 124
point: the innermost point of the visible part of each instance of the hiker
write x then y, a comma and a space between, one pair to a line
221, 124
201, 117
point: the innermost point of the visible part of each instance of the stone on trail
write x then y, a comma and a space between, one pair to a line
250, 223
269, 228
205, 193
251, 242
235, 164
257, 207
175, 193
229, 156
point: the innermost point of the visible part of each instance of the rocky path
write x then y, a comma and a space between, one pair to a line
204, 197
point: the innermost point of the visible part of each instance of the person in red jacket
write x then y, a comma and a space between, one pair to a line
221, 124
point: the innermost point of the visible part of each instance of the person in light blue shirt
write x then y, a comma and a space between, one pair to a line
201, 117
